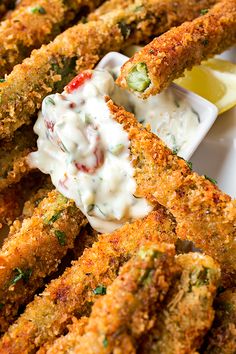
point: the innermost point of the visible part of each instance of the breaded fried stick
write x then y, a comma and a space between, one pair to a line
222, 336
73, 293
171, 13
164, 59
35, 251
204, 214
80, 47
33, 23
13, 156
187, 312
121, 318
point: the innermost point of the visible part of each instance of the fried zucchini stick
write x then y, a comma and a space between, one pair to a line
171, 13
222, 336
73, 293
204, 214
187, 312
33, 23
13, 156
121, 318
80, 47
35, 251
153, 68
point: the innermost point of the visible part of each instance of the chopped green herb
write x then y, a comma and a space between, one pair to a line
1, 305
65, 68
199, 277
212, 180
175, 151
105, 342
61, 236
54, 218
146, 277
174, 143
125, 29
117, 149
100, 210
50, 100
137, 78
148, 252
177, 103
20, 274
197, 114
138, 8
204, 11
90, 208
38, 10
87, 118
190, 164
61, 199
2, 80
100, 290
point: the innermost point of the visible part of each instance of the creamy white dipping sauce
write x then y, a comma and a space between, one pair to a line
86, 152
169, 116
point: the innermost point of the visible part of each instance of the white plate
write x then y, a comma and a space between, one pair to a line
206, 110
216, 156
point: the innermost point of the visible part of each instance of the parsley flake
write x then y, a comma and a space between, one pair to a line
2, 80
105, 342
100, 290
204, 11
20, 274
50, 100
38, 10
190, 164
54, 218
212, 180
125, 29
61, 236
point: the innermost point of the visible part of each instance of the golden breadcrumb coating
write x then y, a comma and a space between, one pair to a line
187, 312
204, 214
35, 251
164, 59
122, 317
171, 13
73, 293
33, 23
80, 47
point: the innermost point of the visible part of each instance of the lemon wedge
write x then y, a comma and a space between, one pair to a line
215, 80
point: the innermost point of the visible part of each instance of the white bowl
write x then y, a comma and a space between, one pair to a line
206, 110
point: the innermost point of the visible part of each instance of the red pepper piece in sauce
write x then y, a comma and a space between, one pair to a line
49, 125
78, 81
99, 155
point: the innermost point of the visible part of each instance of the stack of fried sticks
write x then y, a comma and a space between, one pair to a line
130, 292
